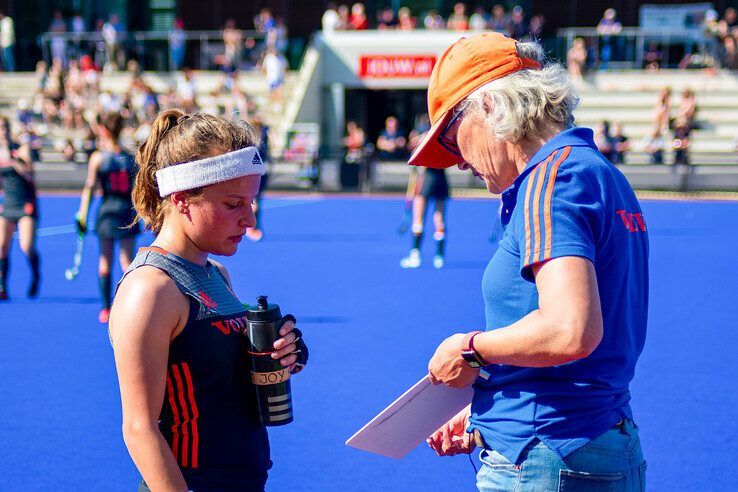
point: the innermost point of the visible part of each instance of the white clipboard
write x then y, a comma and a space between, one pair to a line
411, 419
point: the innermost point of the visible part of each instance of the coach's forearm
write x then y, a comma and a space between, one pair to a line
153, 458
535, 341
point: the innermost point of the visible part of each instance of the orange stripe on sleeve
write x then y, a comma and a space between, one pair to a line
541, 173
547, 204
186, 417
531, 178
195, 413
175, 413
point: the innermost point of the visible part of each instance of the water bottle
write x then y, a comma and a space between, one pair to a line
272, 379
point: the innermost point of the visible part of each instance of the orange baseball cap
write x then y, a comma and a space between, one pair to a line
465, 66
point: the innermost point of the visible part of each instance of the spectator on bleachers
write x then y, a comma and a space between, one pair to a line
535, 27
275, 68
58, 44
354, 142
230, 97
358, 19
688, 107
655, 145
422, 126
281, 39
386, 19
405, 20
499, 22
681, 141
478, 20
433, 21
607, 27
177, 45
344, 18
652, 57
620, 143
7, 42
78, 26
603, 140
728, 35
114, 32
90, 72
329, 21
264, 21
233, 44
662, 110
458, 20
576, 60
186, 91
391, 143
518, 27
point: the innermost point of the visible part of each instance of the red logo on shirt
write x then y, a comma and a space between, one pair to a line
207, 301
634, 222
235, 325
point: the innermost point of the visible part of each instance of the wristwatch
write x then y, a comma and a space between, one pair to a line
470, 355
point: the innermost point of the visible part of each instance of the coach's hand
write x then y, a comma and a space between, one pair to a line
448, 367
452, 439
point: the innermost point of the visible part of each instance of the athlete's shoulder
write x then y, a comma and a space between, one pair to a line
149, 285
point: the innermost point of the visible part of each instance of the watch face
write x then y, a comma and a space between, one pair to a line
471, 359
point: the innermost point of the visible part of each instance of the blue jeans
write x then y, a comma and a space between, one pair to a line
613, 462
8, 59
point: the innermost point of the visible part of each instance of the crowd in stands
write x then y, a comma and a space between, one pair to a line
671, 131
68, 102
719, 48
514, 23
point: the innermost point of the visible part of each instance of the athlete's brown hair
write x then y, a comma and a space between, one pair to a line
176, 138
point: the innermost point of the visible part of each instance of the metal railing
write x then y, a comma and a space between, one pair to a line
628, 48
151, 49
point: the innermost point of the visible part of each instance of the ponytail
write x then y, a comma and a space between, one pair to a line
146, 199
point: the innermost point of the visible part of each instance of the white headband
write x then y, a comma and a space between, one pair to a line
203, 172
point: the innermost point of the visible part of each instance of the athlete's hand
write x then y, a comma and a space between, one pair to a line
452, 439
80, 224
448, 366
285, 347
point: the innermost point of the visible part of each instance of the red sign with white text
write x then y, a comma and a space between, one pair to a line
396, 66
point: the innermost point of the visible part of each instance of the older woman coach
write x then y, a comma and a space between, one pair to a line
566, 292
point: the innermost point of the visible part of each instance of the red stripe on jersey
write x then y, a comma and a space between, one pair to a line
175, 414
186, 417
195, 413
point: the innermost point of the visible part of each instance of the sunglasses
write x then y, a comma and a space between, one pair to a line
450, 143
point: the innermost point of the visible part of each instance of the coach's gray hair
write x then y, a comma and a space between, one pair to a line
525, 104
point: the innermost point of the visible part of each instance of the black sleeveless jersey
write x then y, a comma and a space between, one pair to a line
17, 190
210, 414
116, 175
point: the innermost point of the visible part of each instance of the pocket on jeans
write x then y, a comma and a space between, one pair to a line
495, 460
570, 480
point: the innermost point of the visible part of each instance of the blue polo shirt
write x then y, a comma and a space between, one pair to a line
569, 201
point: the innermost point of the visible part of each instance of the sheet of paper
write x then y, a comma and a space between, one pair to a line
411, 418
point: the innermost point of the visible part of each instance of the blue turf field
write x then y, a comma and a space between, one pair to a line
371, 327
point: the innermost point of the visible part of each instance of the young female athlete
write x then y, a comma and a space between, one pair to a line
190, 417
19, 208
114, 170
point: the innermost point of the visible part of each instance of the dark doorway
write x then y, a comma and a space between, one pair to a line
369, 108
